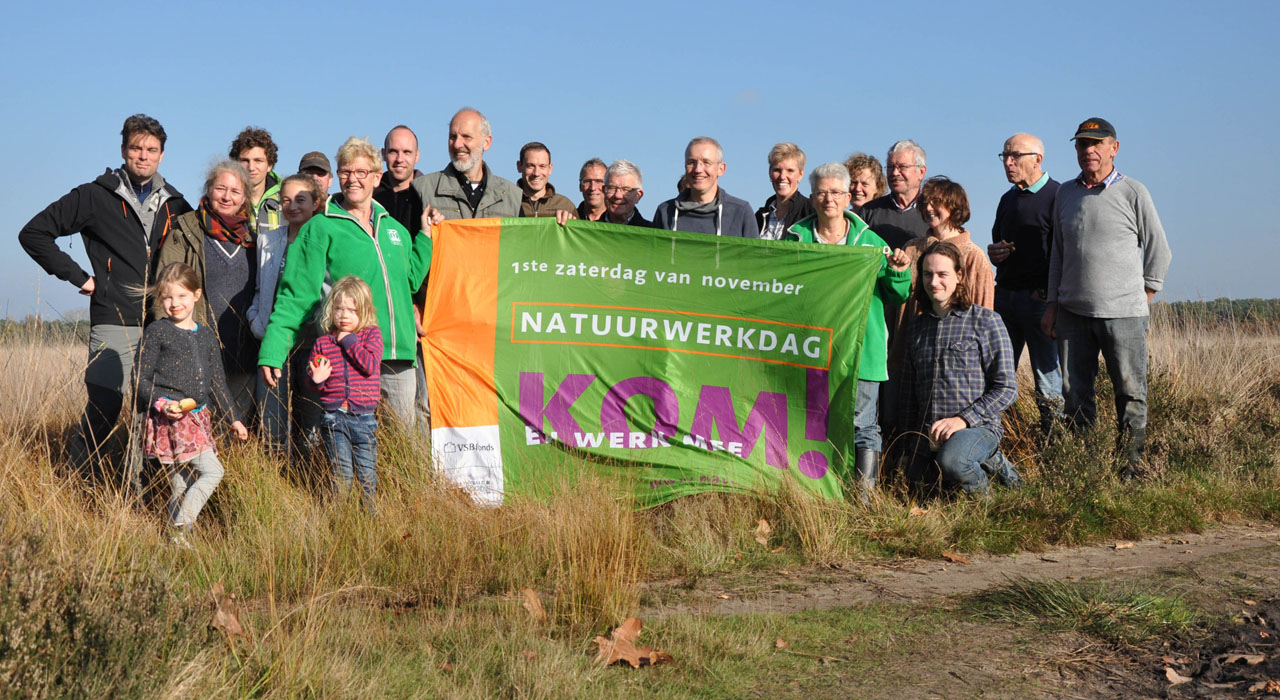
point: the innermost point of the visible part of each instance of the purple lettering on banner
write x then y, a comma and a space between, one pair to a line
768, 414
534, 411
813, 464
666, 408
817, 398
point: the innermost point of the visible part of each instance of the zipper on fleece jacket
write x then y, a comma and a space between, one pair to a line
386, 280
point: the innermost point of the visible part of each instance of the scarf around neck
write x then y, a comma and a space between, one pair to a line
234, 229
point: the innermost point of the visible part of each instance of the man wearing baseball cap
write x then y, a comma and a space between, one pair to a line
1109, 258
316, 164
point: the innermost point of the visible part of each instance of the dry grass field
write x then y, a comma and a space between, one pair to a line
425, 600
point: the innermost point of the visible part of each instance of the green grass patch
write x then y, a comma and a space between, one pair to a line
1116, 613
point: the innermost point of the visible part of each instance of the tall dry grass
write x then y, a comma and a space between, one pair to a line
341, 604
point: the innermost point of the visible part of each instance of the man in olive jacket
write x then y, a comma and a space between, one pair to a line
467, 188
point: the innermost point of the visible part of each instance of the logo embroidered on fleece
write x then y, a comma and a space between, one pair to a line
394, 235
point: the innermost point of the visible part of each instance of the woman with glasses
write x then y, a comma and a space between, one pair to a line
833, 224
354, 235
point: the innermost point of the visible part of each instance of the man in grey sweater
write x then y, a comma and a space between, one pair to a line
1109, 258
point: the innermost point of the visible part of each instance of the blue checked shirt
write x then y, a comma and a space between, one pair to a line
961, 365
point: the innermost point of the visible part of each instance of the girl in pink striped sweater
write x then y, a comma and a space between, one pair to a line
344, 365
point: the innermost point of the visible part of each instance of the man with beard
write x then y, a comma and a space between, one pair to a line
467, 188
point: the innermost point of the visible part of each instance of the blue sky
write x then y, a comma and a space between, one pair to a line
1190, 87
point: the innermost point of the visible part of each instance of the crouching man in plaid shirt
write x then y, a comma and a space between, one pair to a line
958, 377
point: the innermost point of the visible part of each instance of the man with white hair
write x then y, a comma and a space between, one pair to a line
467, 188
703, 206
1021, 237
1108, 260
623, 188
894, 215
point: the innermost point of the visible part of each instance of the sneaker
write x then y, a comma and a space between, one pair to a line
178, 537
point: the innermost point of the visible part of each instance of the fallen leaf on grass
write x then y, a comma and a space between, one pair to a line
533, 603
1250, 602
1264, 635
529, 654
781, 643
917, 511
723, 596
444, 666
778, 550
1267, 686
954, 558
622, 647
1122, 544
763, 531
226, 612
1174, 677
1250, 659
738, 556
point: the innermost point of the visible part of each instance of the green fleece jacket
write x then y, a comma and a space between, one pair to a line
333, 245
892, 286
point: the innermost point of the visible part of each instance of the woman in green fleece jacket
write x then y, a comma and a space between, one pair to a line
833, 224
356, 236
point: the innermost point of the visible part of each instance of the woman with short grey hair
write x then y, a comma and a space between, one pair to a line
787, 205
833, 224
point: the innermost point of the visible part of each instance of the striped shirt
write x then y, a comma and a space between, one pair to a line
353, 384
959, 365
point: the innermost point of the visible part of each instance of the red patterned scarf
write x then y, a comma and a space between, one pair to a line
232, 229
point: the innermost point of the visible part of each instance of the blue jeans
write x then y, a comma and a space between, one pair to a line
960, 458
351, 439
1021, 313
866, 431
1123, 344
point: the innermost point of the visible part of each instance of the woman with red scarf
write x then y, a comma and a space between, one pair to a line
217, 241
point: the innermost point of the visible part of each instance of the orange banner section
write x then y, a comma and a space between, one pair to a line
460, 314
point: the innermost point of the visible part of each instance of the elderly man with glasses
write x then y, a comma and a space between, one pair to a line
1021, 237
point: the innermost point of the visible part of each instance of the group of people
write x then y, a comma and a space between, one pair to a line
297, 311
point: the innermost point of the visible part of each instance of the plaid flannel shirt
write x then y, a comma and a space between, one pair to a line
960, 365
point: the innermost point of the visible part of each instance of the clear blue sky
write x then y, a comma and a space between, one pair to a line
1190, 87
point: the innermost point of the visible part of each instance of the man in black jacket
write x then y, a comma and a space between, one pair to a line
123, 217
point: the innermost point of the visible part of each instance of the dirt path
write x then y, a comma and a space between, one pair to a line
922, 580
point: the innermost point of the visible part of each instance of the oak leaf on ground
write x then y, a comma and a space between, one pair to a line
763, 531
622, 647
226, 612
955, 558
1174, 677
533, 603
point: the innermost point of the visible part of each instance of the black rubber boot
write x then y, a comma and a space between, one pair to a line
867, 463
1135, 444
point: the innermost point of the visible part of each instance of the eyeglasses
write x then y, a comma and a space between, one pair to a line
1013, 155
591, 183
345, 174
619, 189
830, 194
893, 167
708, 164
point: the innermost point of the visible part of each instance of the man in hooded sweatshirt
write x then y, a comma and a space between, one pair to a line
703, 206
123, 217
257, 152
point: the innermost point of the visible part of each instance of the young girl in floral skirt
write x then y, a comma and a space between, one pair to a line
179, 371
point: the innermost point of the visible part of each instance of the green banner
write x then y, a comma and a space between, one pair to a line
677, 363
